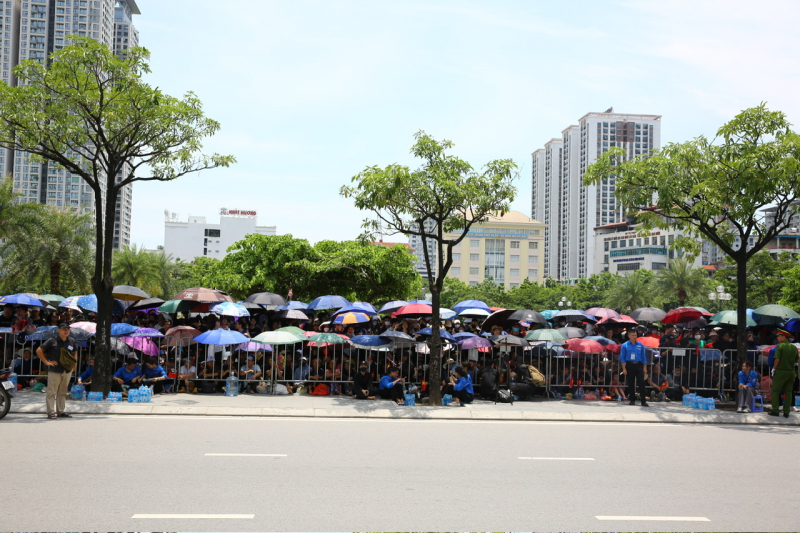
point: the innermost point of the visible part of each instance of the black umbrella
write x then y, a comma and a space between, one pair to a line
267, 299
251, 307
498, 318
572, 333
647, 314
526, 315
149, 303
509, 340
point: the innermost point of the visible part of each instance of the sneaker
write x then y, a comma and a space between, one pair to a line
739, 409
746, 410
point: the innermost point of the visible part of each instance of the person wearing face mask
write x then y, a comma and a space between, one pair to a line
362, 384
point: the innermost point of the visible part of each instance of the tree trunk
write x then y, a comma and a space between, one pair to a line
741, 309
435, 362
55, 278
103, 286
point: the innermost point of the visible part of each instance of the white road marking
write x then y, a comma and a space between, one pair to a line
195, 516
656, 518
557, 458
246, 455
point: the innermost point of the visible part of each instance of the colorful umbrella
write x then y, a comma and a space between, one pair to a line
70, 303
460, 336
183, 334
549, 314
602, 312
42, 333
330, 301
351, 318
253, 347
146, 332
294, 304
650, 342
602, 340
413, 311
474, 343
623, 319
293, 329
584, 346
183, 306
221, 337
424, 302
681, 315
22, 299
127, 293
648, 314
201, 294
549, 335
366, 307
89, 303
278, 337
121, 329
229, 309
446, 314
329, 338
143, 344
354, 309
443, 334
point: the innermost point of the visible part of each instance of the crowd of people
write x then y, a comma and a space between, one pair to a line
663, 373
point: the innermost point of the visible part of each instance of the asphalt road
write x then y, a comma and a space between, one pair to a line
124, 473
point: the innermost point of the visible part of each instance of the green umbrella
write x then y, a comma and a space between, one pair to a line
728, 318
293, 329
177, 306
330, 338
53, 299
773, 312
550, 335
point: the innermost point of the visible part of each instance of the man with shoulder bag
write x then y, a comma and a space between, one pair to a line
60, 357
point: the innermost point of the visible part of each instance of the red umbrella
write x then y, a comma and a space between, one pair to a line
681, 314
201, 294
623, 319
613, 348
493, 309
413, 311
584, 346
650, 342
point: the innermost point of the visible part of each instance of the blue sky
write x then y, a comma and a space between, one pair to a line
310, 93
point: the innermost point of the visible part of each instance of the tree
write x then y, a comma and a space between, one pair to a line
681, 280
444, 195
715, 189
197, 273
16, 214
766, 278
57, 255
631, 291
135, 266
791, 289
90, 113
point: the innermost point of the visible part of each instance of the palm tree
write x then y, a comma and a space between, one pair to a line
57, 255
631, 291
681, 280
135, 266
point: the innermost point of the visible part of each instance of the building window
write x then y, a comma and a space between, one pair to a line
515, 272
533, 245
515, 259
474, 257
533, 259
474, 243
533, 273
212, 233
456, 257
456, 271
473, 271
514, 245
628, 267
659, 266
514, 285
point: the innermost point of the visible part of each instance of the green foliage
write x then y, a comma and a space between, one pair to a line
197, 273
154, 273
767, 279
53, 255
632, 291
680, 281
15, 215
791, 288
355, 270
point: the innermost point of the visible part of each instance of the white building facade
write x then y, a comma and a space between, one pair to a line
197, 238
570, 245
418, 249
34, 29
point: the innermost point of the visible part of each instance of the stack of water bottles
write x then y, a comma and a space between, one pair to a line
411, 399
95, 397
698, 402
447, 399
145, 394
77, 392
114, 397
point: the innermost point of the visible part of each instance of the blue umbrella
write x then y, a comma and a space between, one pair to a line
354, 309
230, 309
22, 299
446, 314
122, 329
792, 326
78, 334
442, 333
42, 333
146, 332
602, 340
395, 335
549, 313
394, 305
89, 303
329, 302
475, 342
357, 317
365, 306
369, 341
573, 315
463, 335
294, 304
221, 337
471, 304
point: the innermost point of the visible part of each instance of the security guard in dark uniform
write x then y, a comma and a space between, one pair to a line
783, 373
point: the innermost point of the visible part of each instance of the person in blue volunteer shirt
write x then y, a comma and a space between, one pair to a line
130, 375
391, 386
633, 357
460, 387
154, 374
85, 378
748, 383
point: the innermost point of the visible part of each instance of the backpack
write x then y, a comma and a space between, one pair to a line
537, 378
503, 396
321, 390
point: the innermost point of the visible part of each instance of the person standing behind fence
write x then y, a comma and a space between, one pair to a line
748, 383
633, 357
60, 356
783, 373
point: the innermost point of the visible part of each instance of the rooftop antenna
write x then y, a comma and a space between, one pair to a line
609, 110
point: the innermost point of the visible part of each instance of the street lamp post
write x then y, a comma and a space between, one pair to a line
564, 301
719, 296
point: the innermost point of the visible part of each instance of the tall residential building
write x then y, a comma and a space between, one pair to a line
418, 249
34, 29
572, 210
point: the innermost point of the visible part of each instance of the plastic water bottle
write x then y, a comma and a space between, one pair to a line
83, 399
232, 385
13, 379
619, 399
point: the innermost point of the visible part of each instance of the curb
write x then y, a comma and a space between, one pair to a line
418, 413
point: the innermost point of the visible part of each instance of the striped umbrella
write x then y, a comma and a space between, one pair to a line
351, 318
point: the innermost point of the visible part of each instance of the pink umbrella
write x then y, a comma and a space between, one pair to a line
602, 312
584, 346
89, 327
254, 347
143, 344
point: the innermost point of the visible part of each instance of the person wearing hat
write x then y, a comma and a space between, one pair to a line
783, 373
60, 356
633, 357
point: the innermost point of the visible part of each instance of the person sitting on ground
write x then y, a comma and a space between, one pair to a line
521, 380
186, 373
129, 375
249, 374
391, 386
657, 382
679, 383
154, 375
207, 376
85, 378
362, 383
24, 367
460, 387
488, 379
748, 387
617, 387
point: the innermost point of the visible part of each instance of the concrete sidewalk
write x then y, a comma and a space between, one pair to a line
345, 407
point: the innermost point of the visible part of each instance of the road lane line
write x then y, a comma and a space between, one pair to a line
195, 516
656, 518
557, 458
246, 455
